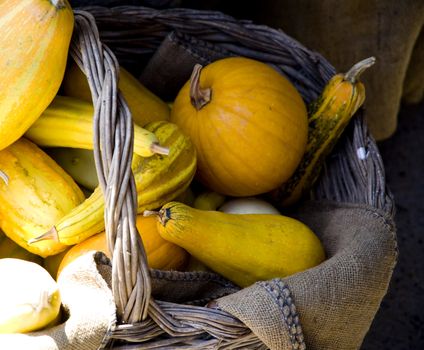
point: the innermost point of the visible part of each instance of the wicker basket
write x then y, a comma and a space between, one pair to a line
131, 35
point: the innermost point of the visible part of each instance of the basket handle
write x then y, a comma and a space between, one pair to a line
113, 149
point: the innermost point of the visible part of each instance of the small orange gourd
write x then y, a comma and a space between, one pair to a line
161, 254
248, 123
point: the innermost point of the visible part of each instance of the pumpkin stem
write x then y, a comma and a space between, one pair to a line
353, 74
4, 177
50, 234
199, 97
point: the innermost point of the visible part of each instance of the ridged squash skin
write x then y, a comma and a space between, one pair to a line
159, 179
35, 38
329, 115
161, 254
37, 194
29, 297
144, 105
248, 123
244, 248
68, 122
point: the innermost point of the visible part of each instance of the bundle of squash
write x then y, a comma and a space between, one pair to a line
238, 132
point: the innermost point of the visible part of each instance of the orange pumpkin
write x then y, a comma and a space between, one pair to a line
161, 254
248, 123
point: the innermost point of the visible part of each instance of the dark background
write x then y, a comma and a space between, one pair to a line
399, 324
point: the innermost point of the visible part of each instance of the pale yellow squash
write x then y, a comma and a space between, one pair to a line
29, 296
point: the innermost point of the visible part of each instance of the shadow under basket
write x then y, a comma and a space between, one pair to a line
328, 307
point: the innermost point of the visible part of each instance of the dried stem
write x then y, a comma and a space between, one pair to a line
199, 97
158, 149
353, 74
50, 234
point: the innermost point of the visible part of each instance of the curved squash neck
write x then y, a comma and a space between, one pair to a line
199, 97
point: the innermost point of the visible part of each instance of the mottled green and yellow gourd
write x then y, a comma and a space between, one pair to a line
329, 115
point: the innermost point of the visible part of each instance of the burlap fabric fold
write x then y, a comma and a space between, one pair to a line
335, 301
179, 53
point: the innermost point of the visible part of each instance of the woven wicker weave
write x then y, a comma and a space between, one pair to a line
131, 35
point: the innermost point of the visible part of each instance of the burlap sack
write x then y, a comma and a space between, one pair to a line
179, 53
88, 306
413, 88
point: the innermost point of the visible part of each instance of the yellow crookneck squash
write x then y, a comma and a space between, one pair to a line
248, 123
244, 248
35, 38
